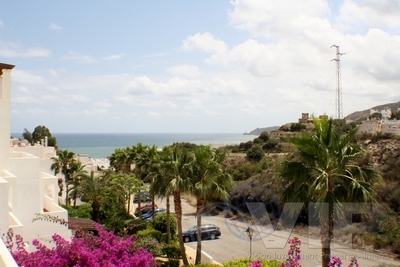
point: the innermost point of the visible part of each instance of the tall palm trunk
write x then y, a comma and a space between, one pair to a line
168, 221
326, 235
199, 207
96, 211
178, 214
67, 190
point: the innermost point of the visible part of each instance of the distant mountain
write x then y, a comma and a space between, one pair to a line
258, 131
362, 115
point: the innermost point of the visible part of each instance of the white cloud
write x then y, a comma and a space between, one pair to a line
27, 77
24, 99
72, 55
154, 115
205, 42
103, 104
79, 98
271, 18
356, 16
32, 111
54, 26
1, 24
184, 70
95, 112
115, 56
13, 50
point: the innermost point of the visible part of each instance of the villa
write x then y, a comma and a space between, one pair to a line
27, 185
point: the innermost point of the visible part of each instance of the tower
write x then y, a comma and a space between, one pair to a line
339, 103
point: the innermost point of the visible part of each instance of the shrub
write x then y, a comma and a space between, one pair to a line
264, 136
255, 153
105, 249
160, 223
81, 211
172, 250
150, 232
150, 244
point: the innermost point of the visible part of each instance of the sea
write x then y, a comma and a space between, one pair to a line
102, 145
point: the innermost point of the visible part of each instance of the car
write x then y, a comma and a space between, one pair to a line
144, 197
145, 209
149, 215
208, 231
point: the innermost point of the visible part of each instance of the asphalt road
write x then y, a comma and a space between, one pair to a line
234, 243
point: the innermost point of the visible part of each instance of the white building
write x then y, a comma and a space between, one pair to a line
27, 185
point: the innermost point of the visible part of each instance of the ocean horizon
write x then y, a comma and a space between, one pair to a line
102, 145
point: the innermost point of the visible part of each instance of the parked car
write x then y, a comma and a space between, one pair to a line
145, 209
144, 197
208, 231
149, 215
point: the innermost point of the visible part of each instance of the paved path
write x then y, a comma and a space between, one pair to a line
234, 243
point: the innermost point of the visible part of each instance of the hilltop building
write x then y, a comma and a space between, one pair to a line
27, 186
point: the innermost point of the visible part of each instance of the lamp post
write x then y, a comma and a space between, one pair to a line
249, 233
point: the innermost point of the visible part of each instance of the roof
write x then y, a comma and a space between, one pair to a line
82, 223
4, 66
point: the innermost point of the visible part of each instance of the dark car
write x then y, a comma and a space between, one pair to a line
149, 215
208, 231
144, 197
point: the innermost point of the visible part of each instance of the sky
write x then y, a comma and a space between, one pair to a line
209, 66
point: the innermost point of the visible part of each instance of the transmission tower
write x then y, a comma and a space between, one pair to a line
339, 104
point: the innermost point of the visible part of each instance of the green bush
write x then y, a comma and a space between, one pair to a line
136, 225
172, 250
256, 153
160, 223
246, 263
81, 211
150, 232
150, 244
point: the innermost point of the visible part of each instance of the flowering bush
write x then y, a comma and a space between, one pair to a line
293, 259
106, 249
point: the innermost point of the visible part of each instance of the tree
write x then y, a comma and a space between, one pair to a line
64, 163
324, 172
264, 136
40, 133
173, 178
209, 180
74, 183
129, 185
27, 135
256, 153
94, 189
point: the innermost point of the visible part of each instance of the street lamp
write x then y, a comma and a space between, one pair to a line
249, 233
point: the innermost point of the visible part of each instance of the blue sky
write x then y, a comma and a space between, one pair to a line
194, 66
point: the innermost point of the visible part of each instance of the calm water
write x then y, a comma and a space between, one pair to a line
103, 145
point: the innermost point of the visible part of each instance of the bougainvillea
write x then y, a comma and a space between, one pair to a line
103, 250
293, 257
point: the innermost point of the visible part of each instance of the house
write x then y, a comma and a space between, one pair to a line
27, 185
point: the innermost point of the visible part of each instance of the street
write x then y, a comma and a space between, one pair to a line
234, 243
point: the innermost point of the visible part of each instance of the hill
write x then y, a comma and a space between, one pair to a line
258, 131
362, 115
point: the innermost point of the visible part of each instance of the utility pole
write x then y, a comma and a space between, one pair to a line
339, 103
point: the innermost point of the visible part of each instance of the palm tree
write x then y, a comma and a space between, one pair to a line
63, 164
209, 181
119, 160
324, 172
94, 189
173, 178
160, 185
75, 181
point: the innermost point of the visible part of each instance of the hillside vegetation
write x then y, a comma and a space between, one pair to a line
254, 164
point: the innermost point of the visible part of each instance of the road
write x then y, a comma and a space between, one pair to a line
234, 243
